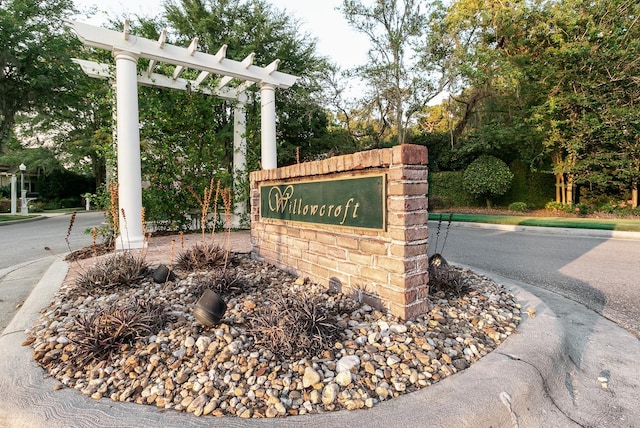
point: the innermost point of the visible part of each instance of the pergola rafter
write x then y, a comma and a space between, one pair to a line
127, 49
190, 57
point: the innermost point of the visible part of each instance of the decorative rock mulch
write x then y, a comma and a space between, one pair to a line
221, 371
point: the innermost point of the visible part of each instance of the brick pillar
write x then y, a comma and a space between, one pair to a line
407, 221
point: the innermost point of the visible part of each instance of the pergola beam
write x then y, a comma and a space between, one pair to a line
103, 38
105, 71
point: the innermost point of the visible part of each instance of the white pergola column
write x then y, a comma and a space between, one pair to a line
269, 150
129, 166
239, 158
14, 194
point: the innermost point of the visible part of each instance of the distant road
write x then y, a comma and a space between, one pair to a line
25, 241
600, 273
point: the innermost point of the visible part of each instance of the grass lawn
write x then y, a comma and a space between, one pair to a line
9, 217
624, 224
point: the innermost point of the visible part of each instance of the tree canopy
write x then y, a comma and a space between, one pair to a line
36, 73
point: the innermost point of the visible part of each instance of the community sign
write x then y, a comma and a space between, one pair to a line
358, 201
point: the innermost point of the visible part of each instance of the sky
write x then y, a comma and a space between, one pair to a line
319, 18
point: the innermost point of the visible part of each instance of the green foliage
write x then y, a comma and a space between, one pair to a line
398, 84
65, 187
611, 206
5, 191
518, 207
446, 189
590, 114
536, 188
39, 160
35, 51
36, 207
256, 27
187, 137
618, 208
555, 206
487, 177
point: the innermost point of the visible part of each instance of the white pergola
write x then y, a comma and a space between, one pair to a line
127, 49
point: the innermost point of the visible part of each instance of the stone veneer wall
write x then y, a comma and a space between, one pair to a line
386, 268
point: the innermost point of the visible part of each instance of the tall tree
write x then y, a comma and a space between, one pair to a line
590, 114
254, 26
36, 74
400, 82
490, 95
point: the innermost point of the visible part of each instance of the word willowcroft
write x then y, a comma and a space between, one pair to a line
281, 200
350, 202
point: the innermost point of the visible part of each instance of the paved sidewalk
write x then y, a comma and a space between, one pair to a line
565, 367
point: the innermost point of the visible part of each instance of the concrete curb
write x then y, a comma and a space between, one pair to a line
595, 233
39, 217
508, 387
25, 220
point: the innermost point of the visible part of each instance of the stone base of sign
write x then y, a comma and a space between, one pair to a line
385, 268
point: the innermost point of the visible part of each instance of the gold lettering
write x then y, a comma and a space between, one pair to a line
346, 210
278, 199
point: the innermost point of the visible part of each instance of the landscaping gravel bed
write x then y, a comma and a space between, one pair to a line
225, 370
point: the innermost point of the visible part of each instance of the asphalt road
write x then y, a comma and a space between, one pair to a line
26, 241
24, 259
600, 273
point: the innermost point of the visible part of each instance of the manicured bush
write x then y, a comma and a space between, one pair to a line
518, 207
487, 177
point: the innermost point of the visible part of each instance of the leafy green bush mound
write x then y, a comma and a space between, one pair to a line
487, 177
520, 207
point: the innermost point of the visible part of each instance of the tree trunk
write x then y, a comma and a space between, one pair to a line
570, 196
559, 188
634, 195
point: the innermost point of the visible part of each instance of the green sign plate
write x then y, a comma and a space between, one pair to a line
350, 202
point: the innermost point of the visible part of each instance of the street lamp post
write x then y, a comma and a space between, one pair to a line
24, 209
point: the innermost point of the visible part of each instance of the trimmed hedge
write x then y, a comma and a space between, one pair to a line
533, 188
446, 190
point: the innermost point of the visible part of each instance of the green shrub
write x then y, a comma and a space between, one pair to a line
535, 188
554, 206
518, 207
577, 209
446, 190
36, 207
487, 177
439, 202
582, 209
